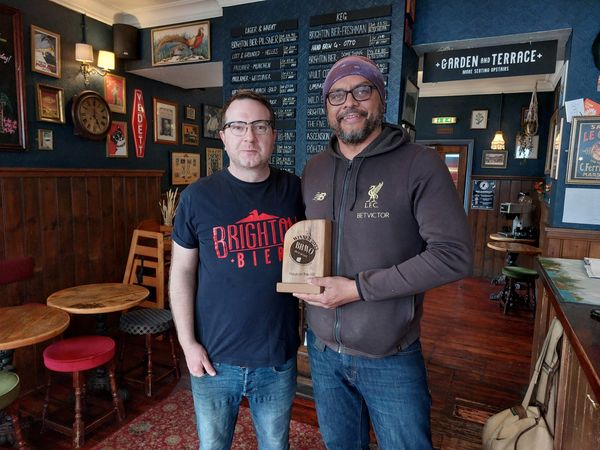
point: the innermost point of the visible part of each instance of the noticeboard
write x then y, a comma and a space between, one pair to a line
482, 196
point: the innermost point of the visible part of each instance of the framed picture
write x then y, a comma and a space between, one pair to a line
211, 121
555, 163
190, 134
190, 112
114, 93
214, 160
494, 160
409, 106
479, 119
50, 103
189, 43
552, 130
185, 168
584, 151
45, 139
116, 140
13, 123
45, 52
165, 121
526, 147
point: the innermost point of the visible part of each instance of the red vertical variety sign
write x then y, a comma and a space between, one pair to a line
138, 123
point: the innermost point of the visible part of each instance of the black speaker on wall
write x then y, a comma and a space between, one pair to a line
125, 41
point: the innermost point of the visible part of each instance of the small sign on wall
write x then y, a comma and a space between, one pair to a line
482, 196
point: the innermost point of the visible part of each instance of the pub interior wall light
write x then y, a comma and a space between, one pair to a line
84, 53
498, 141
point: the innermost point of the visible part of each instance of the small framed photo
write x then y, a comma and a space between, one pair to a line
211, 121
214, 160
190, 112
479, 119
114, 93
526, 147
584, 151
50, 103
165, 121
45, 52
45, 139
190, 134
185, 168
116, 140
181, 44
492, 159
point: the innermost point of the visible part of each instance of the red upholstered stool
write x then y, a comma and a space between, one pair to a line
77, 355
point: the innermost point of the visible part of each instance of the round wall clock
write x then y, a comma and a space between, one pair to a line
91, 115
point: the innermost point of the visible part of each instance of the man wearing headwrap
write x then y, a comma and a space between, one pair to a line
399, 229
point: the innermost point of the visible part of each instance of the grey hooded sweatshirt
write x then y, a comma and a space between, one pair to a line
398, 229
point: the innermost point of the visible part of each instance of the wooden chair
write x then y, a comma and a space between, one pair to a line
148, 261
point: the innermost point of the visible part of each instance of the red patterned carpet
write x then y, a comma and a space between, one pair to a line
170, 424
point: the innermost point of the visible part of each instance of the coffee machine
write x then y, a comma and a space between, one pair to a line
520, 213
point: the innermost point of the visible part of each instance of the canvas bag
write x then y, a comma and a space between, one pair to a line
530, 425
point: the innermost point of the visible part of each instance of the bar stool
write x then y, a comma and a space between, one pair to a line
77, 355
10, 385
151, 323
517, 276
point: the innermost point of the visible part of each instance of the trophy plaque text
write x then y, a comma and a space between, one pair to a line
306, 254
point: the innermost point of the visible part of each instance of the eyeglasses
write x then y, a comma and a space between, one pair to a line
359, 93
239, 127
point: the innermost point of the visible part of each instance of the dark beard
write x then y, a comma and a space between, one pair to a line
357, 136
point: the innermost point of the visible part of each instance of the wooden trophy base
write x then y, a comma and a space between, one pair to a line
300, 288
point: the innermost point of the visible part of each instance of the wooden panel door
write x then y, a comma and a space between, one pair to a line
455, 157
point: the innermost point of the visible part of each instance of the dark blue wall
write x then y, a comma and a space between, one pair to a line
440, 20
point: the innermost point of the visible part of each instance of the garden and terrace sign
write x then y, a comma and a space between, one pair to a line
490, 62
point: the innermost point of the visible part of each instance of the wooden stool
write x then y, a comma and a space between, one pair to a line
150, 323
10, 385
516, 275
77, 355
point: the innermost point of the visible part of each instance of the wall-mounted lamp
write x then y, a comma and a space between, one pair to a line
84, 53
498, 141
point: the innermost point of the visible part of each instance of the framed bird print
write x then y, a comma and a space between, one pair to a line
182, 44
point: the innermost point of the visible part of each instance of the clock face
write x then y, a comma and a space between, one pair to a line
91, 115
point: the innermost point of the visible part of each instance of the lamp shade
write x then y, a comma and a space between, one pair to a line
84, 52
106, 60
498, 141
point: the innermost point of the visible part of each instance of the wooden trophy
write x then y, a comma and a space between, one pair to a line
306, 254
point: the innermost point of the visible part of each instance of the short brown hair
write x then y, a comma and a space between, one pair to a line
250, 95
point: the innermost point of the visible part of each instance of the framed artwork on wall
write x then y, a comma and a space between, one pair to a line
116, 140
584, 151
526, 147
211, 121
409, 106
190, 134
552, 130
190, 112
185, 168
13, 122
165, 121
50, 103
214, 160
479, 119
45, 139
555, 163
494, 160
114, 93
45, 52
189, 43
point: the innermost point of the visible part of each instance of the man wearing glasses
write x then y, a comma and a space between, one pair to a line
399, 229
239, 335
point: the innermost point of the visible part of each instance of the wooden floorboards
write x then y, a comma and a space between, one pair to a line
477, 359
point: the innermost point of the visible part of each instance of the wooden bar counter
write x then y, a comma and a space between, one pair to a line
566, 292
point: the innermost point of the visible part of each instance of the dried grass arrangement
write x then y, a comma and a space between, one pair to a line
168, 207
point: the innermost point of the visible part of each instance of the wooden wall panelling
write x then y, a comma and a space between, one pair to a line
49, 215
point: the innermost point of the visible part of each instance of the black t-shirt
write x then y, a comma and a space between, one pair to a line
239, 228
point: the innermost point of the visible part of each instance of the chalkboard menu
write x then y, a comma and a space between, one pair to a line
264, 58
363, 32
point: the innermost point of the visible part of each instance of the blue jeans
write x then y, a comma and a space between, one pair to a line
391, 391
270, 392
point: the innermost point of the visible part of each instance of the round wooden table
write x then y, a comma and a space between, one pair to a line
99, 298
502, 238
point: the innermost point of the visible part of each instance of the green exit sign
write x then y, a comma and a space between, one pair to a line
443, 120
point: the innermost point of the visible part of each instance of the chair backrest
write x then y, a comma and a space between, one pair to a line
18, 269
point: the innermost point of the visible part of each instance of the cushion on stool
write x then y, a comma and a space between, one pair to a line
79, 353
521, 273
9, 388
146, 321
